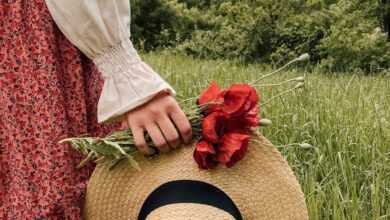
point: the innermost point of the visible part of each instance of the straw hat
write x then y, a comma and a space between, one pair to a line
262, 186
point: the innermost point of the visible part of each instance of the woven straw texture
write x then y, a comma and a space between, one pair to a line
189, 211
262, 185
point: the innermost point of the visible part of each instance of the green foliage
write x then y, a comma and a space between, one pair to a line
152, 23
353, 41
339, 34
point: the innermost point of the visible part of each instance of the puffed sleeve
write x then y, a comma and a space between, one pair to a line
101, 30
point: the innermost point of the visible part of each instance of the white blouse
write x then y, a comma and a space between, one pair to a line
101, 30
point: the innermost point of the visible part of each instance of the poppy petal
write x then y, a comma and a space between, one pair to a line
232, 148
210, 94
203, 155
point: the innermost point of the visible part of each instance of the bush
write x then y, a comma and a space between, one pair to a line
152, 23
354, 41
339, 34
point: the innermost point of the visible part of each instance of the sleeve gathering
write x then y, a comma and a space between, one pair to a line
101, 30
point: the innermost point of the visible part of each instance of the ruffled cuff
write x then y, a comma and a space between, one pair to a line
128, 81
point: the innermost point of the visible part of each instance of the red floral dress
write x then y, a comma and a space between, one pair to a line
48, 91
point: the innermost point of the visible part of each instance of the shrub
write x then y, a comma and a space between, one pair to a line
339, 34
353, 41
152, 24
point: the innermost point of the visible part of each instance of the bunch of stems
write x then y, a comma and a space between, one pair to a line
120, 145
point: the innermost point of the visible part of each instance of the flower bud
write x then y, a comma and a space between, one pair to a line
300, 79
299, 85
265, 122
306, 145
303, 57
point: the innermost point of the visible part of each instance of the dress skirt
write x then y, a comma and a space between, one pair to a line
48, 91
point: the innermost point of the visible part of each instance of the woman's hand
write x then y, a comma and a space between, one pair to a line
159, 117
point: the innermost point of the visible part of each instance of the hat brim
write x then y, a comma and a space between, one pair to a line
262, 185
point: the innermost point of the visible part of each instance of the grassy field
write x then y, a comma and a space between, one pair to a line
346, 119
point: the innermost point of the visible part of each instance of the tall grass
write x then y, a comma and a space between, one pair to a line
346, 174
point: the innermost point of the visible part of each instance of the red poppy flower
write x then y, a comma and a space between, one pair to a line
232, 149
204, 154
213, 126
239, 99
251, 118
225, 126
211, 96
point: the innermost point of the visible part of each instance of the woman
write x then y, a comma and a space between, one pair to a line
51, 87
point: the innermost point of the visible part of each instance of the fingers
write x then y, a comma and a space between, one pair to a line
124, 125
164, 121
157, 137
169, 131
139, 139
182, 123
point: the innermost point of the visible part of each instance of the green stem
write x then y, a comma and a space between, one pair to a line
299, 85
272, 73
277, 84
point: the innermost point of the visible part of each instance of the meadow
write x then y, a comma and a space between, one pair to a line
334, 132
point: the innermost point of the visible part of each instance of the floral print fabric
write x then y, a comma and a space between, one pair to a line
48, 91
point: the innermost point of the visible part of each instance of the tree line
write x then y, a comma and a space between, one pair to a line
341, 35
